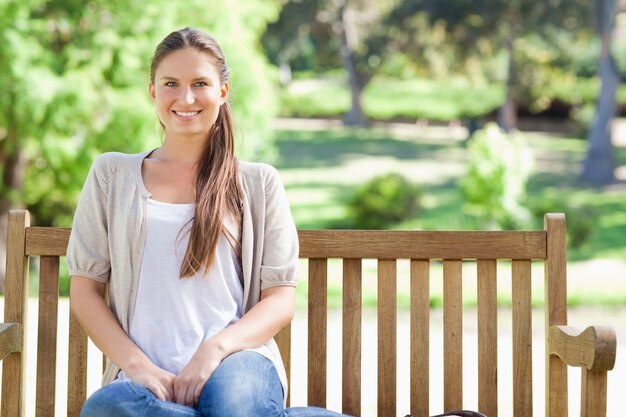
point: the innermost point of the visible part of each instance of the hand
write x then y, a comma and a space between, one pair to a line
157, 380
189, 383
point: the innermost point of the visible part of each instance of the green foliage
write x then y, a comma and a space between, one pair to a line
75, 77
582, 220
75, 82
494, 188
384, 201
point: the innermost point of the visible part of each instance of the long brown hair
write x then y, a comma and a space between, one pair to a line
218, 192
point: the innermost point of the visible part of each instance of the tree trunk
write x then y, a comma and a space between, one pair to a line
507, 117
598, 167
349, 43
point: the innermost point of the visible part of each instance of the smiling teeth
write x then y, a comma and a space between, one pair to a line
187, 113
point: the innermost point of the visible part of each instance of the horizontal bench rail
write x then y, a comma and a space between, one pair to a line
398, 244
375, 244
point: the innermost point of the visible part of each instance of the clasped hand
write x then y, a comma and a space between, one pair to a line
186, 387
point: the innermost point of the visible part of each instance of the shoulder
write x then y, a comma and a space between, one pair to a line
112, 161
260, 180
110, 165
259, 169
255, 172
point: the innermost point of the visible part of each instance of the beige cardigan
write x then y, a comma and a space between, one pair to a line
109, 229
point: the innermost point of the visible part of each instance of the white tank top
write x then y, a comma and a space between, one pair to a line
174, 315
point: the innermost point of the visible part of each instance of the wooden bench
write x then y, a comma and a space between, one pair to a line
593, 350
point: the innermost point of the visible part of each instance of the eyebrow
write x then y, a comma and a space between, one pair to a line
176, 79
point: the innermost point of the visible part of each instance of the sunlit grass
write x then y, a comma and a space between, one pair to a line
322, 168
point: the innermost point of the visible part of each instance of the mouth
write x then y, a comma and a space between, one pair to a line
186, 114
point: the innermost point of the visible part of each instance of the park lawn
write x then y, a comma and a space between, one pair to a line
444, 99
322, 167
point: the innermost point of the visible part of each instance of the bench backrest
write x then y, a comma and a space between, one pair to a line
422, 248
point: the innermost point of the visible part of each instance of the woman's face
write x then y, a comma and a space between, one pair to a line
188, 93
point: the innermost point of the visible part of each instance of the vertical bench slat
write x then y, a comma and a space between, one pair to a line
556, 312
77, 368
351, 343
593, 390
283, 340
522, 339
452, 338
47, 336
487, 338
420, 337
15, 304
387, 337
318, 289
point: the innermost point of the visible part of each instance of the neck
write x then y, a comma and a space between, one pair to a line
182, 150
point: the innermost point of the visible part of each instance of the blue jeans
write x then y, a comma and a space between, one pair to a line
245, 384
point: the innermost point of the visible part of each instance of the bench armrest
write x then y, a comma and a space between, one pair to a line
10, 339
594, 348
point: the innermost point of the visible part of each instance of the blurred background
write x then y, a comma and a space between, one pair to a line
379, 114
396, 114
418, 114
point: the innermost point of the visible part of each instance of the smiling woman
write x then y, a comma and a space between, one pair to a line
200, 254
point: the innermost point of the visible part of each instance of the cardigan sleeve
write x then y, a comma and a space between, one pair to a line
88, 247
279, 264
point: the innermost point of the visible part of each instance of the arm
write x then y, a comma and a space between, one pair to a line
88, 305
257, 326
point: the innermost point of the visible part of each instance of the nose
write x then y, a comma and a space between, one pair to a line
188, 96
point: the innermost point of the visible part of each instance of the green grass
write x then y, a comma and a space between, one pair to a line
312, 95
386, 99
321, 169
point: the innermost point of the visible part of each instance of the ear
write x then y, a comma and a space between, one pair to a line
224, 92
151, 90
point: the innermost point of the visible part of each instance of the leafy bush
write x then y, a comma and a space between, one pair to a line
581, 220
383, 201
495, 185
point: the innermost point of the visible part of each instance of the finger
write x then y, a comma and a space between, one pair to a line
169, 391
181, 395
189, 398
167, 395
197, 393
156, 390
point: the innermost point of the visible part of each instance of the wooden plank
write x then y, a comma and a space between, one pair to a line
15, 311
487, 337
387, 323
522, 340
77, 368
555, 277
420, 337
10, 339
283, 340
382, 244
318, 290
593, 391
47, 335
47, 241
351, 343
453, 335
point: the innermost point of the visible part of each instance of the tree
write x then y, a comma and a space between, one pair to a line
501, 23
599, 164
75, 77
358, 36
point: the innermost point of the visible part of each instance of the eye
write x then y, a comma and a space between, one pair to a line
200, 84
170, 84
